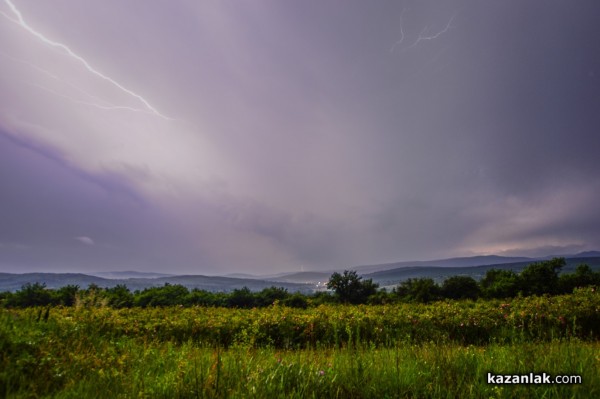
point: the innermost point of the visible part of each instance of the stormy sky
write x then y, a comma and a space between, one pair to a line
210, 137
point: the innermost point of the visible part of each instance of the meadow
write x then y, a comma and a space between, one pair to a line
441, 349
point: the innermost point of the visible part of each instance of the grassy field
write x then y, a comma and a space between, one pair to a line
444, 349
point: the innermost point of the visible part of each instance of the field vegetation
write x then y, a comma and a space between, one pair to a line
538, 278
406, 346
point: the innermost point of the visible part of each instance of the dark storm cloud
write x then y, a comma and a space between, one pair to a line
309, 239
50, 209
537, 92
303, 134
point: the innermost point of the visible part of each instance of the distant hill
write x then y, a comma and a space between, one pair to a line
393, 273
242, 275
128, 274
323, 276
14, 282
221, 284
438, 273
387, 275
586, 254
304, 277
450, 262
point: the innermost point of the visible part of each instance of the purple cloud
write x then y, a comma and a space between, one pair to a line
295, 137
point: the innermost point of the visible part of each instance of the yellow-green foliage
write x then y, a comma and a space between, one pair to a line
464, 322
442, 349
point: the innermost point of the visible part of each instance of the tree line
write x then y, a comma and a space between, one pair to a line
540, 278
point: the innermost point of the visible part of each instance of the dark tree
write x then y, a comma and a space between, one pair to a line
206, 298
541, 277
322, 297
296, 300
583, 277
421, 290
350, 288
381, 297
34, 294
66, 295
499, 283
119, 296
167, 295
241, 298
268, 296
460, 287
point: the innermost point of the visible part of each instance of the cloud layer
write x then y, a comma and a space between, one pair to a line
265, 137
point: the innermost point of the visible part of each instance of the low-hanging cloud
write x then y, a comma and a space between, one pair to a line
85, 240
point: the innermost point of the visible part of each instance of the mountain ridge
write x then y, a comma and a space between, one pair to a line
386, 275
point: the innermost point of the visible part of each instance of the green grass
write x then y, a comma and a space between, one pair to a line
328, 352
129, 369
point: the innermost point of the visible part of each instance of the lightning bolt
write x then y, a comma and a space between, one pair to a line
99, 106
29, 64
54, 77
399, 42
20, 21
431, 37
